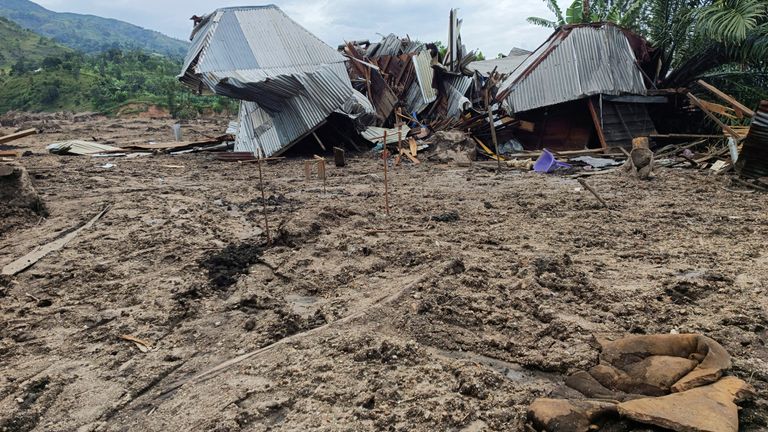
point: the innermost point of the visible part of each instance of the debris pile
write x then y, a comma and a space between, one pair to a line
672, 381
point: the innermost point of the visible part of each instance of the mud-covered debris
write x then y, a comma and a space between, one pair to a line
450, 216
672, 381
236, 259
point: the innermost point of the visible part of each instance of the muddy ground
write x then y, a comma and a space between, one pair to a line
478, 294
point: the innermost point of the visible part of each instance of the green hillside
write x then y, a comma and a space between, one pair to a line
37, 74
18, 44
105, 82
88, 33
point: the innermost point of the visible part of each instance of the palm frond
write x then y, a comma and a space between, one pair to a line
555, 9
542, 22
575, 13
729, 21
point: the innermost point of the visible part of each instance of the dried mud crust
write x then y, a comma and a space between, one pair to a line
495, 292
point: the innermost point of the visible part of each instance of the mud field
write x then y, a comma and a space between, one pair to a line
478, 294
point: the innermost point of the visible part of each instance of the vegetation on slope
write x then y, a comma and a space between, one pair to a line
88, 33
39, 75
18, 44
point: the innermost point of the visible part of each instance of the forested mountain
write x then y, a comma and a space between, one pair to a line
88, 33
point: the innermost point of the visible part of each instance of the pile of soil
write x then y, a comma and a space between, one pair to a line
19, 201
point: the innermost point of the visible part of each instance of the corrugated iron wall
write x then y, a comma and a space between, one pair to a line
753, 160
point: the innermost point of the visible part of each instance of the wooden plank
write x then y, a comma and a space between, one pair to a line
9, 153
36, 255
339, 157
683, 136
598, 126
727, 98
709, 114
17, 135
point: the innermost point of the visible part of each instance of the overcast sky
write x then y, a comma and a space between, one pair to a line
493, 26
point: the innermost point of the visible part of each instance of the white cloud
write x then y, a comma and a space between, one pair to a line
491, 26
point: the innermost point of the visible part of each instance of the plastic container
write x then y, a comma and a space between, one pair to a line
547, 163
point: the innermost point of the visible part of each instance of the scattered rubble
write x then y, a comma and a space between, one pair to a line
671, 381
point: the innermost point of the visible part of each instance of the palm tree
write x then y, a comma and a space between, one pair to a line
701, 36
622, 12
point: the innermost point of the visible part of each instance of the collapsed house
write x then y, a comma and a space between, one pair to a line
289, 81
410, 75
583, 87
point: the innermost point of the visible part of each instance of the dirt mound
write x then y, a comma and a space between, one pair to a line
19, 201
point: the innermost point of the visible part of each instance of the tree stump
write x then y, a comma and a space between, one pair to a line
640, 161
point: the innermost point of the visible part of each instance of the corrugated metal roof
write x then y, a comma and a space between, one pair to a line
458, 85
78, 147
753, 160
573, 63
291, 80
421, 93
503, 65
375, 134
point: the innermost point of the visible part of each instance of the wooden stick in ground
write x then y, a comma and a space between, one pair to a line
594, 192
264, 205
493, 128
386, 180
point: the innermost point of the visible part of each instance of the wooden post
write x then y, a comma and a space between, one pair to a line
493, 128
339, 157
598, 125
385, 155
321, 172
264, 204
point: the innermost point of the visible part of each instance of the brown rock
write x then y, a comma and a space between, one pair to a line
710, 408
567, 415
712, 357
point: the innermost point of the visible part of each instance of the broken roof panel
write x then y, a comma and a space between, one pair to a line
258, 54
575, 62
504, 66
421, 93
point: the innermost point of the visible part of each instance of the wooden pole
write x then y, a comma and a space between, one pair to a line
386, 180
264, 204
493, 127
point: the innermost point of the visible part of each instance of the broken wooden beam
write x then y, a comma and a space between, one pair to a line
696, 101
17, 135
36, 255
727, 98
